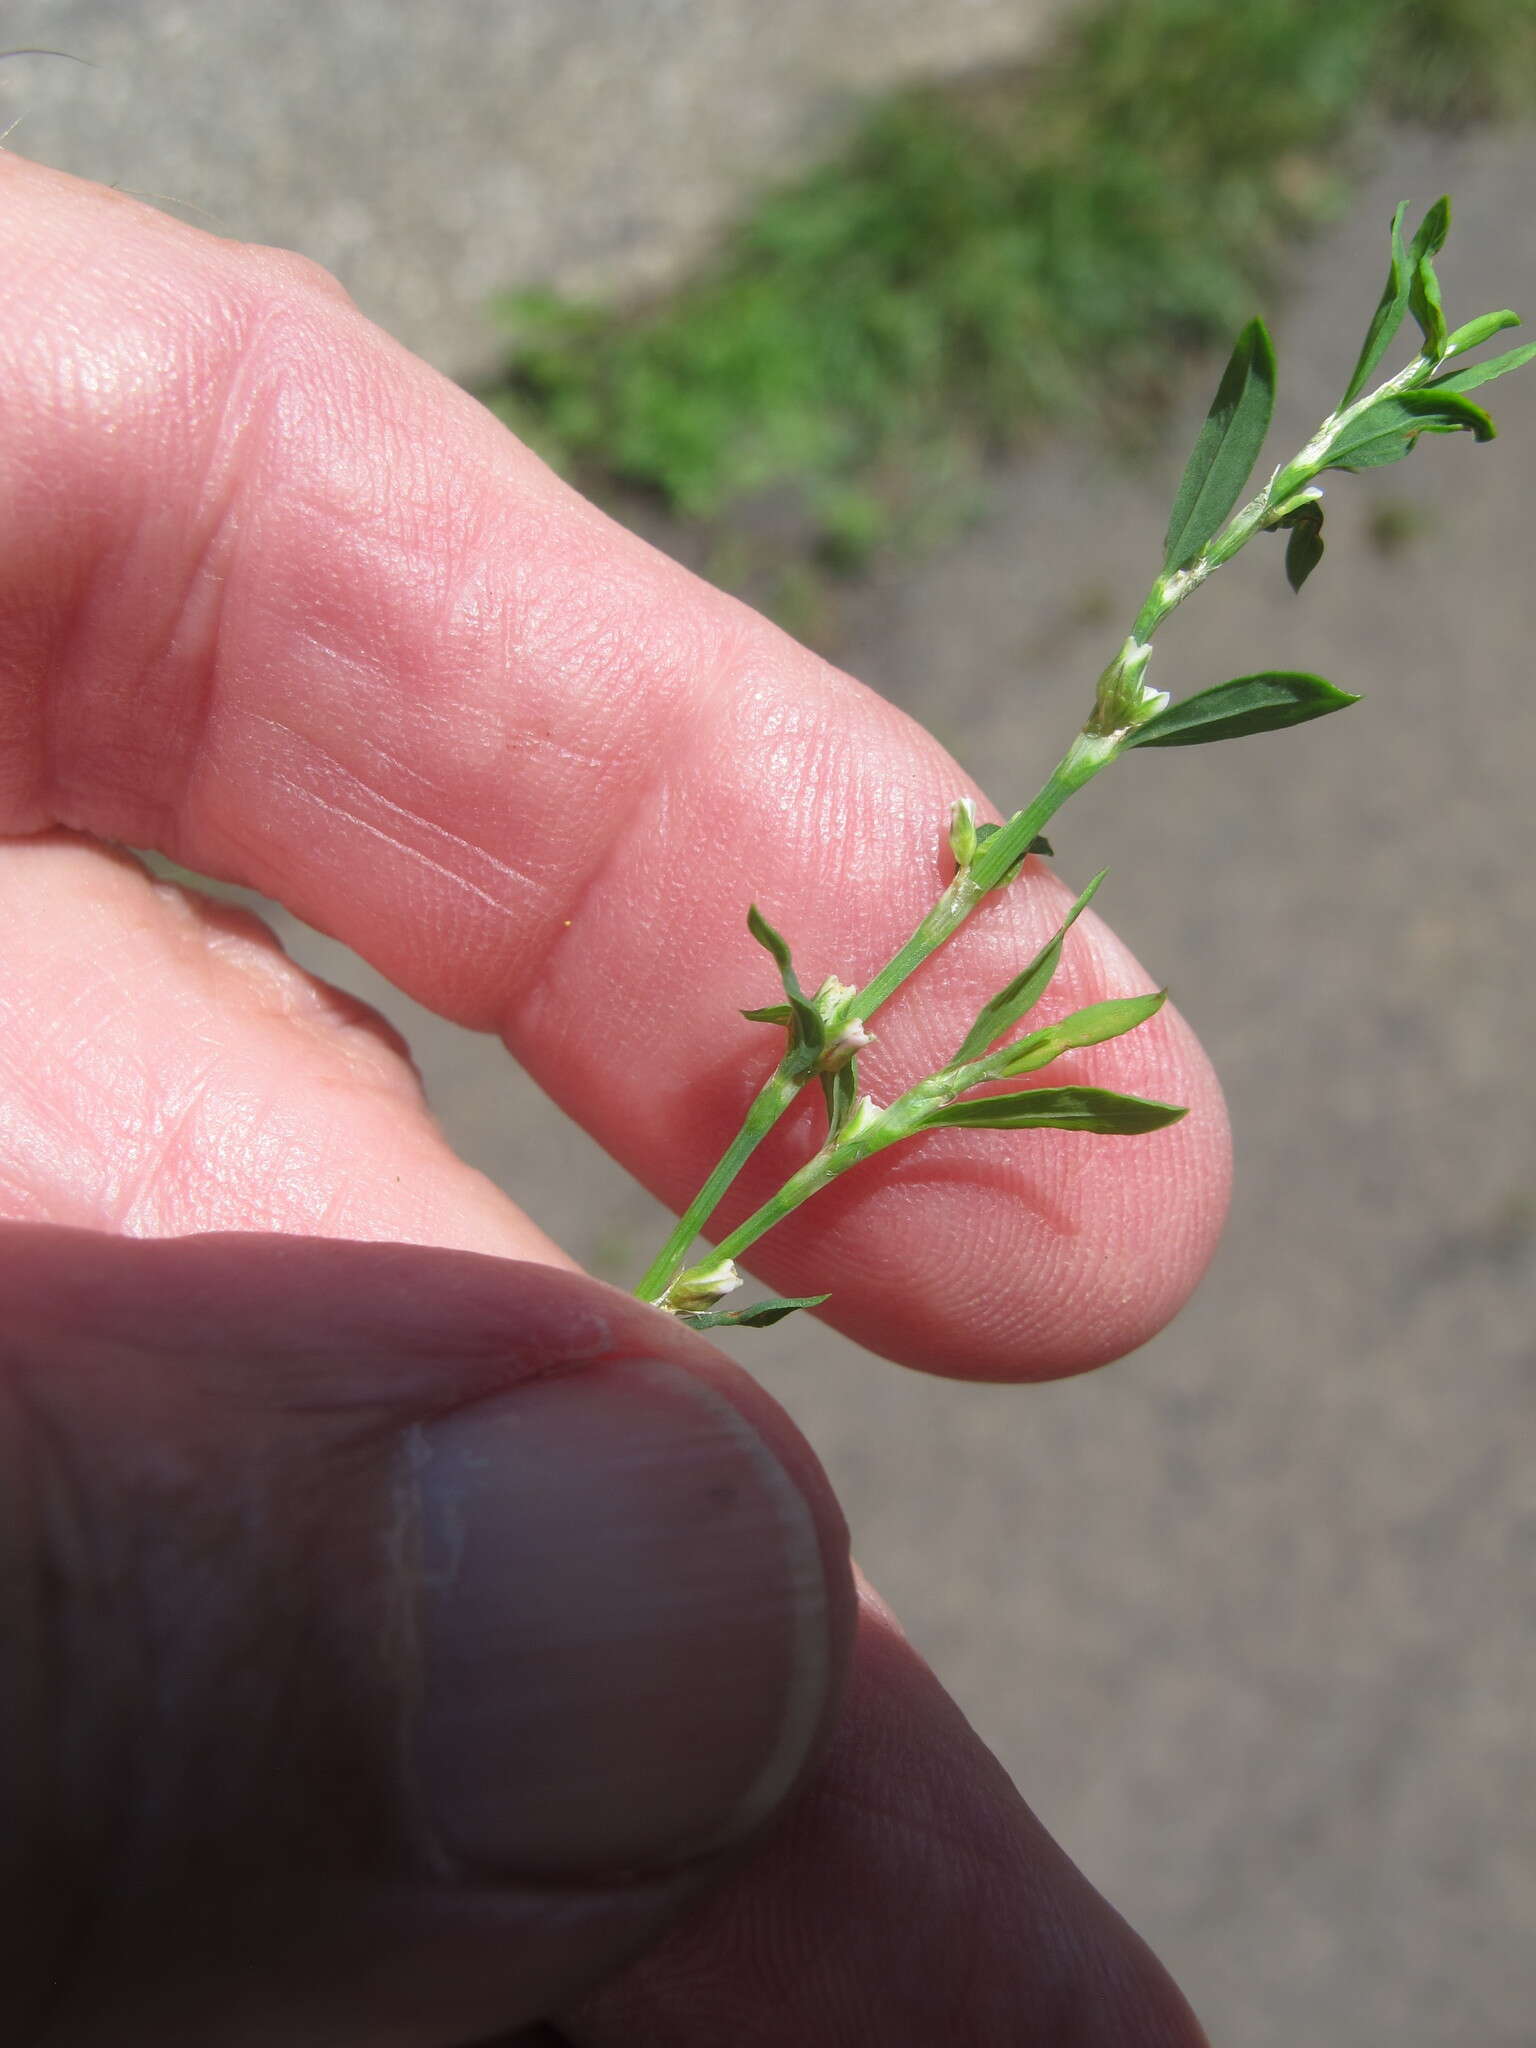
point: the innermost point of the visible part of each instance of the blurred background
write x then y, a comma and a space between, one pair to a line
899, 316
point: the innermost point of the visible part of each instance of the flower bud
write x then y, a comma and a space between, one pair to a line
962, 831
701, 1286
831, 997
837, 1052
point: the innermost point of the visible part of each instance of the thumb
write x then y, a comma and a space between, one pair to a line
397, 1637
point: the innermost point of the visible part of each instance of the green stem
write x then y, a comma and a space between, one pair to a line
1002, 852
769, 1104
1114, 715
901, 1120
1006, 847
808, 1181
1169, 592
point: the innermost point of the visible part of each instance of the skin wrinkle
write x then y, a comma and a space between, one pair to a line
219, 505
124, 1195
636, 818
67, 1027
225, 943
159, 1116
291, 1171
523, 955
67, 1115
202, 1113
206, 581
374, 795
447, 871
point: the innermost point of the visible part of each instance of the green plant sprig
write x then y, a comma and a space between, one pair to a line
826, 1032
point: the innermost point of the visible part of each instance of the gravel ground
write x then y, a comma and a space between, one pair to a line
1249, 1616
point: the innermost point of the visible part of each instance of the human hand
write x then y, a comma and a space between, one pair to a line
406, 1643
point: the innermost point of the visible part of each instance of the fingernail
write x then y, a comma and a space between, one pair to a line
622, 1623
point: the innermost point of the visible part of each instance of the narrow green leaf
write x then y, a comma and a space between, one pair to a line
771, 1013
1388, 316
1025, 990
1227, 448
1423, 287
1057, 1109
1387, 431
1484, 372
1424, 303
840, 1091
1091, 1026
1261, 703
775, 942
1429, 236
756, 1316
1477, 331
1304, 549
809, 1029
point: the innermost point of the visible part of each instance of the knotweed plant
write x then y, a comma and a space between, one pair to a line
824, 1033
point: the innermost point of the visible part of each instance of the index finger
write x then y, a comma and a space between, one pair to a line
282, 602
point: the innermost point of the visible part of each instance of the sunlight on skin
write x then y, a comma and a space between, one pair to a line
283, 603
403, 679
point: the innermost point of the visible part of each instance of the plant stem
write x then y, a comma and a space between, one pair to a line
1003, 850
1007, 846
1170, 591
770, 1103
1120, 704
901, 1120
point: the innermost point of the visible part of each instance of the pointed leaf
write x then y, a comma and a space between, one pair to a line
1388, 316
1429, 236
840, 1091
1423, 287
1386, 431
1477, 331
1261, 703
809, 1029
1057, 1109
756, 1315
775, 942
1424, 303
1227, 449
1025, 990
1484, 372
771, 1013
1092, 1026
1304, 549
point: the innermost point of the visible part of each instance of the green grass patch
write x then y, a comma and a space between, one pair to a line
986, 257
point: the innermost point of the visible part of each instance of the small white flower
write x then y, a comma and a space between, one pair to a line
962, 831
838, 1051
